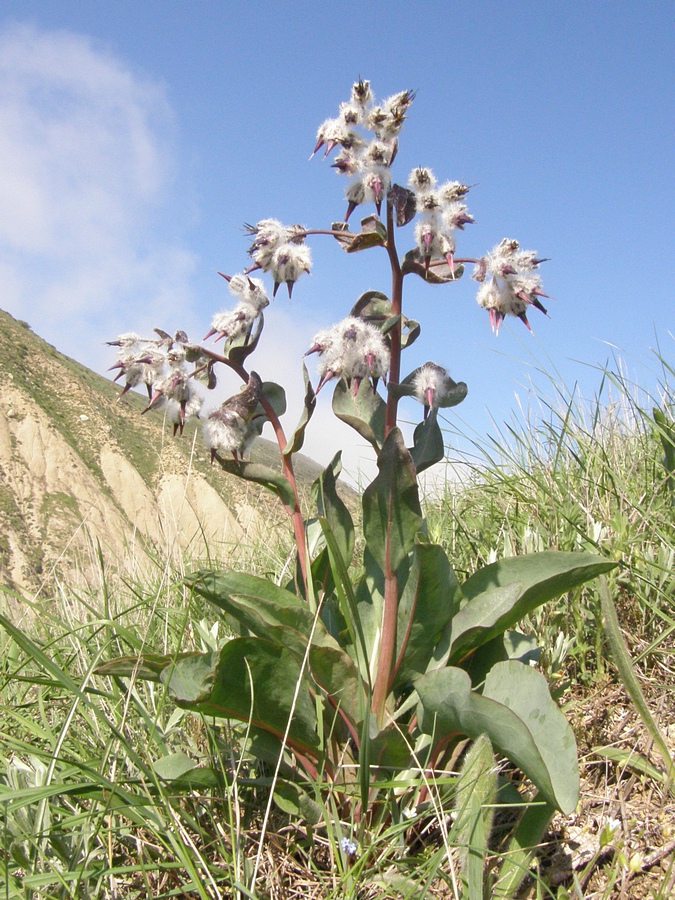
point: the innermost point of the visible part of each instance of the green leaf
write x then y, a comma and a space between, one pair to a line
666, 430
373, 234
375, 307
438, 273
239, 348
147, 666
251, 680
261, 606
332, 508
334, 670
522, 848
428, 447
173, 766
475, 794
276, 397
500, 595
518, 715
631, 759
364, 413
294, 801
507, 645
430, 597
297, 439
260, 474
404, 203
391, 507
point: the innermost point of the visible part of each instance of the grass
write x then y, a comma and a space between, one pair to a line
107, 790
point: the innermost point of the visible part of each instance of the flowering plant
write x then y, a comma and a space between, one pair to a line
355, 674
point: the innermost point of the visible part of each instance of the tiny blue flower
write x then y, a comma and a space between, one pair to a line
348, 846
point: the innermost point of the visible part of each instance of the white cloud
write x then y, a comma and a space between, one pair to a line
86, 173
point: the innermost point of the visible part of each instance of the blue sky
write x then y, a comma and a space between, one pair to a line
136, 138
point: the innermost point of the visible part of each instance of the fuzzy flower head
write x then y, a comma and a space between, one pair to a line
509, 282
368, 138
352, 349
431, 384
280, 250
228, 428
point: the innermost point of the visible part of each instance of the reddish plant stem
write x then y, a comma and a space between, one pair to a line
286, 464
385, 660
395, 333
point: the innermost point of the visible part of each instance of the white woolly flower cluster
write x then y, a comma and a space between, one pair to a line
509, 282
352, 350
159, 364
280, 250
231, 427
440, 213
238, 322
366, 158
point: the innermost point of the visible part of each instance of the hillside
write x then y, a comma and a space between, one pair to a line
79, 468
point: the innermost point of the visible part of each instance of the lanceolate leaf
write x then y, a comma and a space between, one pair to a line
518, 715
261, 606
391, 507
474, 799
500, 595
260, 474
251, 680
332, 508
297, 439
429, 599
148, 666
365, 412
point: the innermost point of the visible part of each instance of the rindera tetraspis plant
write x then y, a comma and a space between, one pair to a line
353, 675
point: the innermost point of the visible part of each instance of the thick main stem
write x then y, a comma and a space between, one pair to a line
385, 660
395, 333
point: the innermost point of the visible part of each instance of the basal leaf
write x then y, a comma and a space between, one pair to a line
500, 595
261, 606
518, 715
251, 680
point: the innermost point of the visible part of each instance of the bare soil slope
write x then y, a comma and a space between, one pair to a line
79, 468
